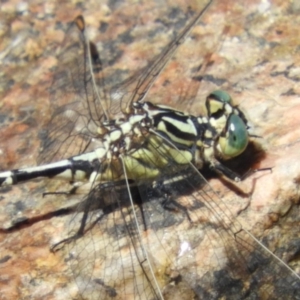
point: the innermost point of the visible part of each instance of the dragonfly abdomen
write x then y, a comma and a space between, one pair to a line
73, 169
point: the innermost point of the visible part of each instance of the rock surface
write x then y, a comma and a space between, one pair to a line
249, 49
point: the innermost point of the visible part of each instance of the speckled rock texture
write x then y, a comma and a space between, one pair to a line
249, 48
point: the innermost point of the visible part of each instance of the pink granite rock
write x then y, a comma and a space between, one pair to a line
250, 49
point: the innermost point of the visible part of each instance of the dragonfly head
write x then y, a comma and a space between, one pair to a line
233, 139
230, 124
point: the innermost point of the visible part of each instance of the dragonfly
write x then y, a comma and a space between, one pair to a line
149, 218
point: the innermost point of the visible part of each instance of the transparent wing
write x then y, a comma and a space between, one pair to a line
138, 89
79, 108
186, 236
82, 98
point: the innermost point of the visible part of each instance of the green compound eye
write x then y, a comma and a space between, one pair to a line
235, 138
221, 96
215, 102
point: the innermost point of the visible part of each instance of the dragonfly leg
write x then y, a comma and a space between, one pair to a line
171, 205
220, 168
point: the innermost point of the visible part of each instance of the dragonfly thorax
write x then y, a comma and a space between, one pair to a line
222, 134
